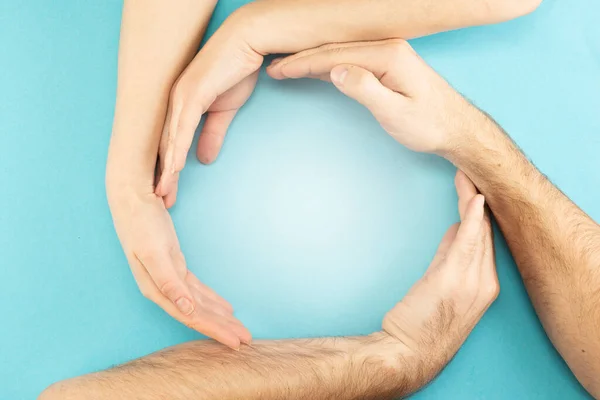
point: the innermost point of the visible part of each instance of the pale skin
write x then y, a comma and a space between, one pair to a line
420, 335
158, 41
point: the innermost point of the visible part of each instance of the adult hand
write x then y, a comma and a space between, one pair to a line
408, 98
217, 83
148, 238
441, 309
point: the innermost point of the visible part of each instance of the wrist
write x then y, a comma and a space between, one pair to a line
126, 181
477, 134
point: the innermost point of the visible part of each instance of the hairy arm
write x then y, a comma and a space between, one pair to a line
420, 336
367, 367
555, 245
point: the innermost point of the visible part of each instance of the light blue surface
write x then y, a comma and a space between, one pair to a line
312, 222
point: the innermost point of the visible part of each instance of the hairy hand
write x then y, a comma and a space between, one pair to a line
148, 238
441, 309
408, 98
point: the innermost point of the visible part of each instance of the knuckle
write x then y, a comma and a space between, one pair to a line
491, 290
170, 289
398, 50
329, 46
361, 78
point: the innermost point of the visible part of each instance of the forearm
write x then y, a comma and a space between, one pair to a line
158, 39
366, 367
288, 26
555, 245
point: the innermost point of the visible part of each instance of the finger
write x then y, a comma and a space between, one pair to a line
220, 331
213, 306
211, 73
465, 189
212, 135
468, 237
161, 269
445, 244
242, 333
480, 249
183, 121
170, 198
236, 326
194, 282
392, 61
364, 87
204, 321
162, 155
320, 60
489, 258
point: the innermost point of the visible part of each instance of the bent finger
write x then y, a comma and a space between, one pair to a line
213, 134
469, 234
466, 190
161, 269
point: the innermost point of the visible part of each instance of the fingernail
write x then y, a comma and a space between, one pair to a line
275, 61
339, 75
184, 305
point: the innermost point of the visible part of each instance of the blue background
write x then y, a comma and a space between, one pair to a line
312, 222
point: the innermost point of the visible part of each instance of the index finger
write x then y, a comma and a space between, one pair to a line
389, 60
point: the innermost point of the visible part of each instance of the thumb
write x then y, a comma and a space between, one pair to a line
364, 87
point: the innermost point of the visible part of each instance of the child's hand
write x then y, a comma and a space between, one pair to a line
148, 238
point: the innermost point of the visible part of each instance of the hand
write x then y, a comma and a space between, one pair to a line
410, 101
441, 309
217, 82
152, 249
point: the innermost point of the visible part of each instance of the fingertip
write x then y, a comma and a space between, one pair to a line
160, 187
338, 74
165, 186
234, 344
226, 337
275, 61
242, 333
477, 206
170, 200
247, 340
205, 158
275, 72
